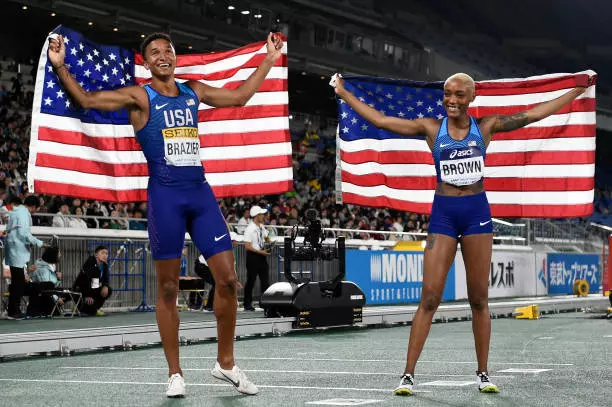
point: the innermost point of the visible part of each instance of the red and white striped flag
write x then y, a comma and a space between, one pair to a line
95, 155
545, 169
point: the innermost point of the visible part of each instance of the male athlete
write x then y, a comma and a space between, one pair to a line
164, 115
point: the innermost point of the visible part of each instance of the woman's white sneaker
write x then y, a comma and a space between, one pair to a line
405, 386
176, 386
236, 377
484, 384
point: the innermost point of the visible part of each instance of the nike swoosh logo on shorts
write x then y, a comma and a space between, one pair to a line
236, 384
157, 107
445, 145
220, 237
484, 223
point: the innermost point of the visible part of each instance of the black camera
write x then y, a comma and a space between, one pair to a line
312, 247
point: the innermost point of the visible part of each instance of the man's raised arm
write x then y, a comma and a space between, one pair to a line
108, 100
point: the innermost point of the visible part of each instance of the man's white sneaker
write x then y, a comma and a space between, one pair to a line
236, 378
176, 386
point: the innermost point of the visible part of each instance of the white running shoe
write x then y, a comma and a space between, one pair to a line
236, 378
484, 384
176, 386
405, 386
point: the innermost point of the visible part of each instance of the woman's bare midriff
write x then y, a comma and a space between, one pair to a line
453, 190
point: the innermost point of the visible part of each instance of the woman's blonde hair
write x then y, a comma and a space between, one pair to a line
463, 77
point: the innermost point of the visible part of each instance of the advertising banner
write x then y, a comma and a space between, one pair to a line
511, 274
391, 277
563, 269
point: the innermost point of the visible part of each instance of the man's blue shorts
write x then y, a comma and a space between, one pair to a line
457, 216
193, 208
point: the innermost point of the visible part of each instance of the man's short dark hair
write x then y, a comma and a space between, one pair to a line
152, 37
14, 200
51, 255
32, 200
101, 247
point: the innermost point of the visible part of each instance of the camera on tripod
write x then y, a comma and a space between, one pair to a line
314, 303
312, 248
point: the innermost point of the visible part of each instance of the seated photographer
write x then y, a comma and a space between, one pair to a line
256, 237
93, 282
44, 276
203, 271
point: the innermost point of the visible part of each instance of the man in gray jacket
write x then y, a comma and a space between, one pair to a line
17, 249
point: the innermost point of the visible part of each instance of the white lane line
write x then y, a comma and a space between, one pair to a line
607, 336
545, 337
196, 384
535, 371
447, 383
377, 360
277, 371
343, 402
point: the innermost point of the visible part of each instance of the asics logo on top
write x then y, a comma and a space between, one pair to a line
464, 153
157, 107
220, 237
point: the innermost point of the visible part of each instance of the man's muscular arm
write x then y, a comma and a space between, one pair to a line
109, 100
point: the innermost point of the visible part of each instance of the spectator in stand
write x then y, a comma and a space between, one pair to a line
77, 223
93, 282
243, 222
137, 224
60, 220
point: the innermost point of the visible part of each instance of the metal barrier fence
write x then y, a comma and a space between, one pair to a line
126, 263
134, 290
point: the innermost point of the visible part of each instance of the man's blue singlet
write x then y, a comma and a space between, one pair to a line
460, 163
179, 197
170, 139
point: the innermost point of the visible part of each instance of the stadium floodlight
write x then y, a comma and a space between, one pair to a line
245, 12
230, 7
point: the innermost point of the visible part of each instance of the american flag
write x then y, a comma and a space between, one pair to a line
95, 155
545, 169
